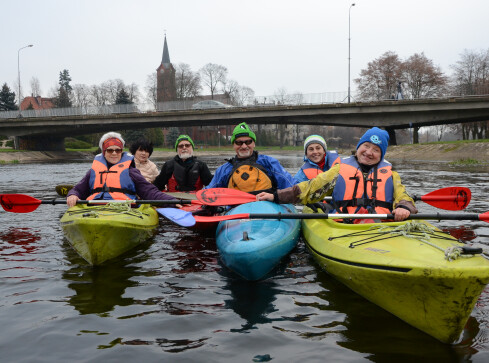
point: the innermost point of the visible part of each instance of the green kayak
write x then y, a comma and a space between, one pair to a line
101, 233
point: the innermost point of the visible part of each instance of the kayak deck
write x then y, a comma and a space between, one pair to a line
101, 233
252, 248
403, 270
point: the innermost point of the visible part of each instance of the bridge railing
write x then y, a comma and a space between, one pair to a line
289, 99
276, 100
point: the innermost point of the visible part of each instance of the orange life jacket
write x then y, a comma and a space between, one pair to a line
312, 170
249, 176
354, 190
114, 183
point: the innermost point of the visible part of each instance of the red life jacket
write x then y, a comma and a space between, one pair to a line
114, 183
354, 190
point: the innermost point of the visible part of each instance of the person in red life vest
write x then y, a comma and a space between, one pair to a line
248, 170
316, 158
184, 173
113, 176
142, 150
362, 183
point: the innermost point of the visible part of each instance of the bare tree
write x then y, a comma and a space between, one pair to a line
132, 90
422, 78
242, 96
471, 77
379, 81
35, 87
150, 88
471, 73
212, 75
81, 95
187, 82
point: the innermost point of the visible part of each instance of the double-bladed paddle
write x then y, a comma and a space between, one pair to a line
21, 203
186, 219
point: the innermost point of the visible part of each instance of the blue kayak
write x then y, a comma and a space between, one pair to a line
253, 247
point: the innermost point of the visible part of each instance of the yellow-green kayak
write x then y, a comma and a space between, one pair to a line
101, 233
410, 269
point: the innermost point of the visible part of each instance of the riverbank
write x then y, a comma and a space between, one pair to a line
450, 152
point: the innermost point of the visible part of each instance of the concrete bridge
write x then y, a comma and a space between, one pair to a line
47, 133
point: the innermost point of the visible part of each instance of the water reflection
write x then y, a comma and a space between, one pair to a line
252, 301
384, 337
19, 241
98, 289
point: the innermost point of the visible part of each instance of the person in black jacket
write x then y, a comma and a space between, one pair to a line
184, 173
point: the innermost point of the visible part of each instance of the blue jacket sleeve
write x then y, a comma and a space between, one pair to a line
300, 176
220, 177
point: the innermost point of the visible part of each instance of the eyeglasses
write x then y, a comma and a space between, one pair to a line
111, 151
181, 146
240, 142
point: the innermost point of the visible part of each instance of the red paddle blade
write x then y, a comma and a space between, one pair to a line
484, 217
451, 198
213, 219
224, 196
19, 203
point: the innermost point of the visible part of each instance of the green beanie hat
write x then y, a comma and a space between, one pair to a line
181, 138
242, 130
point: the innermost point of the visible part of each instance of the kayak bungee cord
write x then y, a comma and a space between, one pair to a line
413, 230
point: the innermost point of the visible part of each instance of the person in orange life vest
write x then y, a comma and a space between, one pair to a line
184, 173
142, 150
249, 171
113, 176
361, 183
316, 158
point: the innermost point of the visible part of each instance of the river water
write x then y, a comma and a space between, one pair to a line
172, 299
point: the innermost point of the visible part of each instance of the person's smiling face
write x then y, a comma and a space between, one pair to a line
369, 154
315, 153
113, 154
244, 146
185, 149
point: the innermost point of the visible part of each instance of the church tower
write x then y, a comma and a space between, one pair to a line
165, 78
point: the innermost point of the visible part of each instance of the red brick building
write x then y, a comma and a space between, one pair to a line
36, 103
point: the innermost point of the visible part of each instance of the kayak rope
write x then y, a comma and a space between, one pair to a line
414, 230
116, 208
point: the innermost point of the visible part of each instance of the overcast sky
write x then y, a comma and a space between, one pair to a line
301, 46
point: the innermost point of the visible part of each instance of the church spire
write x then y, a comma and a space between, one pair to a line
166, 54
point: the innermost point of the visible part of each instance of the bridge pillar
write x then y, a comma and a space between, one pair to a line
41, 143
392, 136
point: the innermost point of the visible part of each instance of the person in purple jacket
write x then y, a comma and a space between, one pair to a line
114, 176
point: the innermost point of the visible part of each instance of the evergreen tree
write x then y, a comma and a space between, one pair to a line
64, 92
63, 99
7, 99
122, 97
172, 136
64, 80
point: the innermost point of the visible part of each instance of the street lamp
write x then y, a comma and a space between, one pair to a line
18, 67
349, 40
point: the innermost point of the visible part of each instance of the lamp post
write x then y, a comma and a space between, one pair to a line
349, 40
18, 67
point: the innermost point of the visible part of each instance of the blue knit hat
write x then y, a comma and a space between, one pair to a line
377, 137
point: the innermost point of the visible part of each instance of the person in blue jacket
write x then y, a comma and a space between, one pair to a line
250, 171
316, 158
